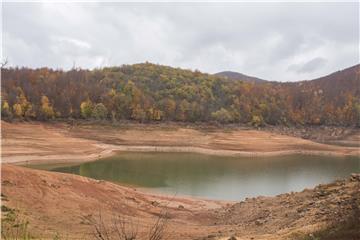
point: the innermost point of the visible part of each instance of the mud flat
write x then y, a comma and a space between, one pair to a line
60, 142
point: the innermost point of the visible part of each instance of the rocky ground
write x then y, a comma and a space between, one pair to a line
345, 136
335, 204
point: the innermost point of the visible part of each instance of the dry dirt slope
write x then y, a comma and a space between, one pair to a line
56, 202
59, 142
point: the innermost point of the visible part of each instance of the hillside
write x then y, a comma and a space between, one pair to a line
347, 80
148, 93
240, 76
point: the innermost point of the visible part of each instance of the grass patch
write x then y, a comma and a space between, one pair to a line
13, 226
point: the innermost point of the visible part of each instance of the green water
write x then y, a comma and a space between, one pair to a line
214, 177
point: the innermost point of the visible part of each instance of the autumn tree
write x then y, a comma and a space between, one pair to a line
22, 108
86, 109
183, 110
138, 113
5, 110
150, 92
30, 112
169, 108
47, 111
18, 111
257, 121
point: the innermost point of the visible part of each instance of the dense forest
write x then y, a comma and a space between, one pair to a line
149, 92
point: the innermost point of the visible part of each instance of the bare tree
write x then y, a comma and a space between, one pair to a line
157, 230
127, 228
4, 63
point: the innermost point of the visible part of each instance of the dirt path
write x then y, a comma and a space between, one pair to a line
57, 142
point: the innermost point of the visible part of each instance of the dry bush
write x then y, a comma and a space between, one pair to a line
123, 227
13, 226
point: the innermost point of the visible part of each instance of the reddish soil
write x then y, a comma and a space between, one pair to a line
63, 203
59, 203
60, 142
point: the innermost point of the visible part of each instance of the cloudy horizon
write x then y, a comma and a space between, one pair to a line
273, 41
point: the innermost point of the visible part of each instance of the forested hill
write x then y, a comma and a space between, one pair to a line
240, 76
148, 92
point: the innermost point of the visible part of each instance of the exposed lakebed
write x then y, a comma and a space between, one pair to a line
214, 177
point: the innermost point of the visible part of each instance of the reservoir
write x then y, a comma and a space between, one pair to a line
214, 177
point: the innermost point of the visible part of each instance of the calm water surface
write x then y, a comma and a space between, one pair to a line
214, 177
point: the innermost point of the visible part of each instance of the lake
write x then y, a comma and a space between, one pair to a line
215, 177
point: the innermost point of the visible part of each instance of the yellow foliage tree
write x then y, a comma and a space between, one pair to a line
46, 109
18, 111
86, 109
5, 110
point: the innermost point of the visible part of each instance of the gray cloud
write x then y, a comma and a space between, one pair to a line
276, 41
308, 67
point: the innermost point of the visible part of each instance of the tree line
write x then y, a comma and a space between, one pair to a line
148, 92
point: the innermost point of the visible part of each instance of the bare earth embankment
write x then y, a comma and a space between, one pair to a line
37, 142
61, 203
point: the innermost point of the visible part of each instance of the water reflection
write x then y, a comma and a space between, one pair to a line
216, 177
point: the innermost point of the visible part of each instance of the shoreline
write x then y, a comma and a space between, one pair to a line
219, 152
112, 150
39, 143
38, 191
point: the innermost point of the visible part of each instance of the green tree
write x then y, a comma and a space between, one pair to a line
222, 116
86, 109
99, 111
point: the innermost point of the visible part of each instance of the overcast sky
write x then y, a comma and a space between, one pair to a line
274, 41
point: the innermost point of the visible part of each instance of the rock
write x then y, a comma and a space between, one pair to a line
321, 193
54, 186
155, 203
355, 177
7, 183
232, 238
181, 207
131, 198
